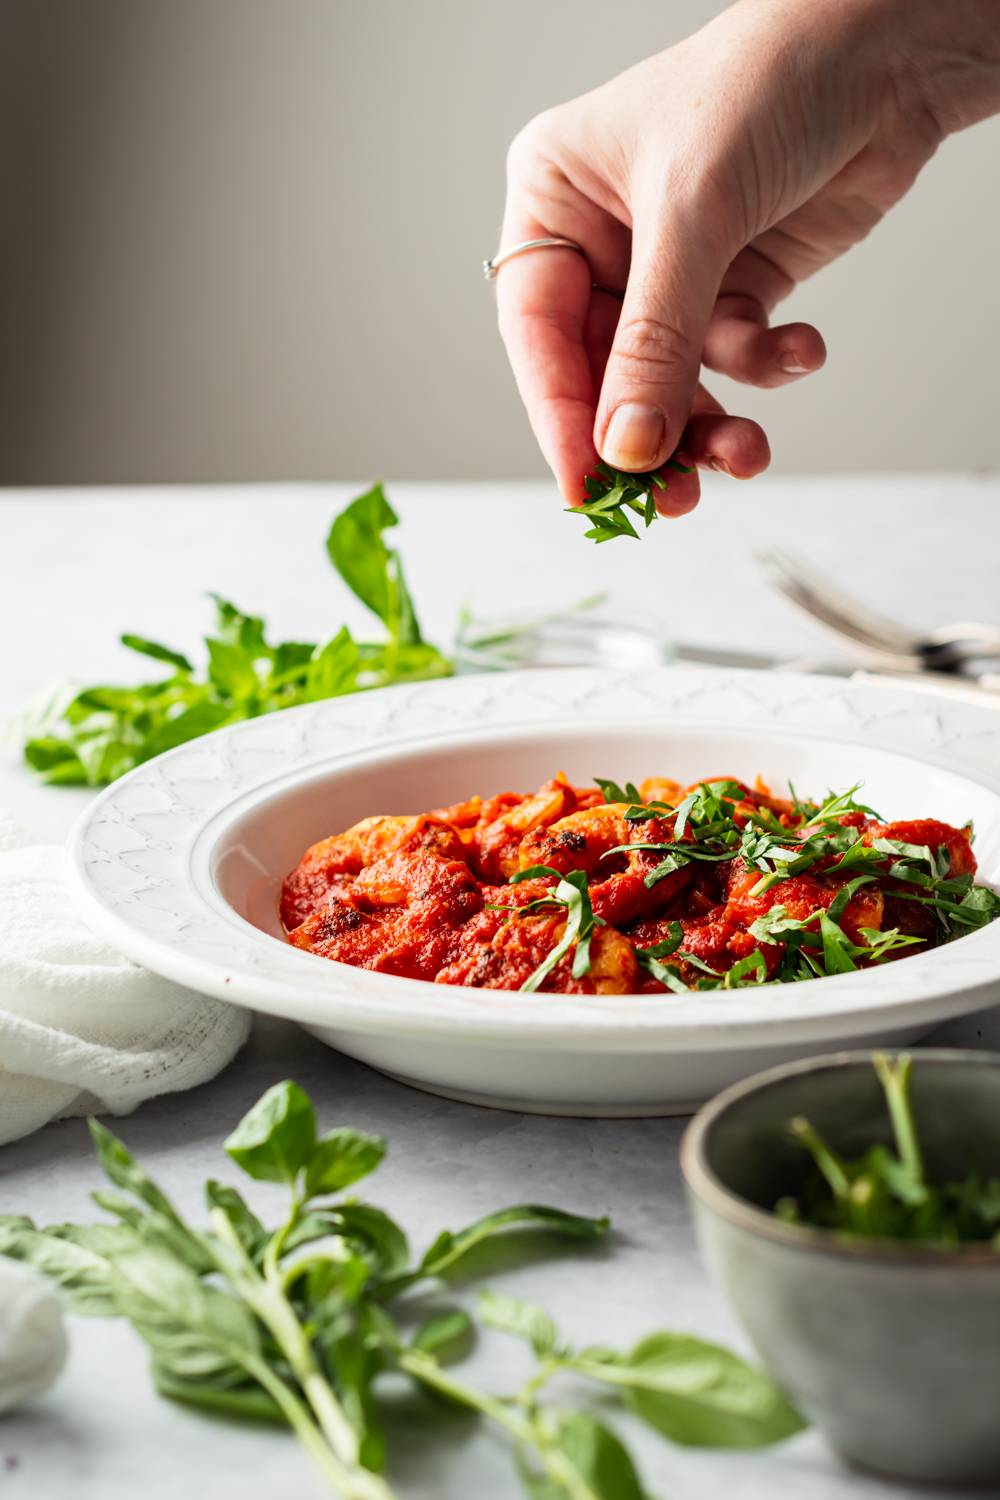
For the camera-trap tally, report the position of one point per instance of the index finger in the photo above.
(542, 301)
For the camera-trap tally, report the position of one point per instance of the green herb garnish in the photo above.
(705, 831)
(96, 734)
(572, 893)
(888, 1196)
(614, 494)
(303, 1324)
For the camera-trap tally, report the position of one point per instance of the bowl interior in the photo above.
(745, 1147)
(251, 847)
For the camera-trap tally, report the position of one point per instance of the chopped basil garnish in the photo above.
(615, 495)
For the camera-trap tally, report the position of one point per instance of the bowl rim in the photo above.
(709, 1190)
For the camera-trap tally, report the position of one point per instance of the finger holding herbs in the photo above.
(617, 502)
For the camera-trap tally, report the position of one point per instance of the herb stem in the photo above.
(266, 1297)
(305, 1429)
(824, 1157)
(521, 1428)
(895, 1081)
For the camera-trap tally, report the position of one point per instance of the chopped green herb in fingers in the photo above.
(615, 496)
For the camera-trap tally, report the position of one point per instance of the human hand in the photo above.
(706, 182)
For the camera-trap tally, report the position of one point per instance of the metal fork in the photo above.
(948, 648)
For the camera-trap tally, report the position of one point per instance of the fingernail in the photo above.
(792, 365)
(634, 439)
(720, 466)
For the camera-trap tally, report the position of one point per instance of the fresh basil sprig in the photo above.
(614, 494)
(94, 735)
(300, 1324)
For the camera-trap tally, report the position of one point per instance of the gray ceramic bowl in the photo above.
(892, 1351)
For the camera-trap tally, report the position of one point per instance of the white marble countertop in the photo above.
(77, 567)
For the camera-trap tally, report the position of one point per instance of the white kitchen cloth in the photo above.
(32, 1334)
(83, 1029)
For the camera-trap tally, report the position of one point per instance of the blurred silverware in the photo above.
(885, 642)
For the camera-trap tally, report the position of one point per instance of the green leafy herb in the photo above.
(886, 1194)
(612, 792)
(98, 733)
(571, 892)
(614, 496)
(716, 824)
(299, 1324)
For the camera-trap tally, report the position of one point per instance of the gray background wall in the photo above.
(240, 239)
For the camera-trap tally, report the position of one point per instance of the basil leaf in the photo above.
(449, 1249)
(248, 1402)
(374, 1233)
(523, 1319)
(613, 492)
(103, 731)
(333, 668)
(573, 893)
(695, 1392)
(86, 1276)
(837, 947)
(276, 1138)
(662, 972)
(231, 669)
(340, 1158)
(535, 872)
(752, 964)
(156, 651)
(448, 1336)
(201, 718)
(666, 945)
(245, 632)
(164, 1222)
(249, 1230)
(371, 571)
(599, 1464)
(611, 791)
(195, 1331)
(838, 905)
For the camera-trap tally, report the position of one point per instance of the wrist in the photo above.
(950, 55)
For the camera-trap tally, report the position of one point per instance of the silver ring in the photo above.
(492, 266)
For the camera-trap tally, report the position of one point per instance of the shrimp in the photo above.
(591, 841)
(661, 789)
(495, 844)
(399, 916)
(519, 945)
(932, 834)
(335, 861)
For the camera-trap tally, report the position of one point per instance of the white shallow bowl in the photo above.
(181, 862)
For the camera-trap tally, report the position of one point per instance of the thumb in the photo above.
(652, 371)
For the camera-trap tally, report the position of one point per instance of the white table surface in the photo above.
(77, 567)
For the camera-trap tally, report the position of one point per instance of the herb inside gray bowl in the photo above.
(887, 1195)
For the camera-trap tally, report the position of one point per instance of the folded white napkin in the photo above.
(83, 1029)
(32, 1334)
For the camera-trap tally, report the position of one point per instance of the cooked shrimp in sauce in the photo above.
(587, 891)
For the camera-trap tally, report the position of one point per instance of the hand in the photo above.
(705, 183)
